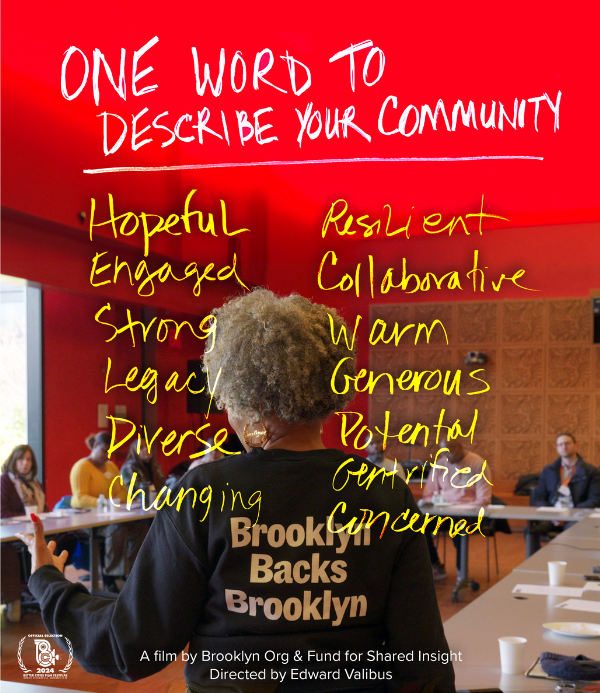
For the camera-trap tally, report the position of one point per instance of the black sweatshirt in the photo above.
(252, 586)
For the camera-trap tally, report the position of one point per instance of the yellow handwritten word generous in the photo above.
(368, 520)
(368, 228)
(208, 326)
(146, 278)
(378, 332)
(364, 434)
(408, 380)
(115, 443)
(158, 223)
(409, 283)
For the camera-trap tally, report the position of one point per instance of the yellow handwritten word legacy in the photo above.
(130, 222)
(409, 283)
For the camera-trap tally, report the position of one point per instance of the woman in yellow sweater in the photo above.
(91, 477)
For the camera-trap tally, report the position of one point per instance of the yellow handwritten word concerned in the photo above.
(407, 282)
(154, 223)
(408, 434)
(369, 518)
(208, 326)
(146, 278)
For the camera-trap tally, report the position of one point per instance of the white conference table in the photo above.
(475, 630)
(59, 522)
(499, 512)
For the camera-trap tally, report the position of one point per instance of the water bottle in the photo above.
(102, 504)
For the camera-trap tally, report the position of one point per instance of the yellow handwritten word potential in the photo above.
(408, 434)
(368, 228)
(130, 222)
(146, 277)
(208, 326)
(409, 283)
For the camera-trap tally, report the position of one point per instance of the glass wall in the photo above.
(13, 364)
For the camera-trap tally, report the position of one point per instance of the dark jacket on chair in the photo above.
(584, 485)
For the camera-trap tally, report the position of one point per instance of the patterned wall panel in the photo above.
(542, 367)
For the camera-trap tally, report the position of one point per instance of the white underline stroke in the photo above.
(189, 167)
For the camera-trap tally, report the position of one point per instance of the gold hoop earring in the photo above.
(321, 431)
(248, 435)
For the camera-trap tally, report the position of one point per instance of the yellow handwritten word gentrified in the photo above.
(130, 222)
(408, 282)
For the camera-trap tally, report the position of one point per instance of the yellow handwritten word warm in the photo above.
(154, 223)
(408, 282)
(146, 277)
(408, 434)
(208, 326)
(378, 332)
(408, 380)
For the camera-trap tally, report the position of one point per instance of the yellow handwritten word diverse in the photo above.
(408, 434)
(208, 326)
(146, 277)
(368, 228)
(408, 380)
(154, 223)
(115, 443)
(378, 332)
(368, 519)
(149, 383)
(409, 283)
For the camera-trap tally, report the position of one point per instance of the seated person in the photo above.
(440, 483)
(19, 485)
(91, 478)
(144, 465)
(375, 454)
(568, 482)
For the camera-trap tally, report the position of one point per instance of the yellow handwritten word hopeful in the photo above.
(130, 222)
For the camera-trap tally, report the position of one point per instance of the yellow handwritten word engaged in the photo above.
(208, 325)
(409, 283)
(146, 278)
(153, 223)
(431, 223)
(364, 435)
(454, 530)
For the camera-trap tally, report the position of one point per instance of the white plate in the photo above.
(575, 629)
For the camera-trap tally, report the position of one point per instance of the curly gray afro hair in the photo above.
(277, 357)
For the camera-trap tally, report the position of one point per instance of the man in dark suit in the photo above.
(568, 482)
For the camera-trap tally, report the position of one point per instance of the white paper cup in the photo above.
(31, 509)
(556, 572)
(512, 654)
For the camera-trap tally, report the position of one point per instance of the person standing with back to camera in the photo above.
(266, 577)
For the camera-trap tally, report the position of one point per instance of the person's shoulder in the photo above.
(472, 459)
(589, 468)
(552, 466)
(81, 465)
